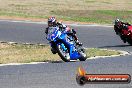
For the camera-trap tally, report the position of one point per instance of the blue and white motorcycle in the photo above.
(65, 45)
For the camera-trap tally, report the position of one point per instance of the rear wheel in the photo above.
(83, 55)
(63, 52)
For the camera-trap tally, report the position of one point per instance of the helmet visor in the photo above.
(50, 23)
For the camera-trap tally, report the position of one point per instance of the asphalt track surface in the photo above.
(61, 74)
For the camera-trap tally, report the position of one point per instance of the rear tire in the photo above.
(83, 55)
(83, 58)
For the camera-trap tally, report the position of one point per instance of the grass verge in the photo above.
(20, 53)
(87, 16)
(89, 11)
(94, 16)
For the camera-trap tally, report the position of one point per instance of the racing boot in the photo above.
(76, 40)
(78, 43)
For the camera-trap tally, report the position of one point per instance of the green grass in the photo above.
(92, 52)
(19, 53)
(20, 14)
(91, 11)
(95, 16)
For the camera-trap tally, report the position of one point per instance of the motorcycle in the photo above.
(125, 33)
(65, 45)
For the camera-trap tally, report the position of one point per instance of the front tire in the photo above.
(129, 41)
(123, 38)
(63, 54)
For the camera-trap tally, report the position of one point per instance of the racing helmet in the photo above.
(51, 21)
(117, 21)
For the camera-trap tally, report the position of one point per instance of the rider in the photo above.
(52, 22)
(119, 25)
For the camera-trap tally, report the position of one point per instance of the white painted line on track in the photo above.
(26, 21)
(124, 53)
(42, 22)
(32, 63)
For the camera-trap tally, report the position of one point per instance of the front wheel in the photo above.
(123, 38)
(63, 52)
(129, 41)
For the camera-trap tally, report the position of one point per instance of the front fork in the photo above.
(64, 47)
